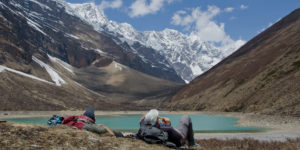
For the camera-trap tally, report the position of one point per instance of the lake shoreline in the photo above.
(279, 127)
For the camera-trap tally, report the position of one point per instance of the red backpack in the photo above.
(77, 121)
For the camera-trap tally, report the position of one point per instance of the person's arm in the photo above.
(142, 119)
(167, 121)
(107, 129)
(175, 133)
(182, 136)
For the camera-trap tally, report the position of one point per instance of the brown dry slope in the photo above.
(262, 76)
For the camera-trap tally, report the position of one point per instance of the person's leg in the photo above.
(185, 126)
(94, 128)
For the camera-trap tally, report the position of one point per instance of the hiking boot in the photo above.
(118, 134)
(194, 145)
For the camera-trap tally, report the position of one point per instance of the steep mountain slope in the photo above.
(48, 57)
(262, 76)
(164, 49)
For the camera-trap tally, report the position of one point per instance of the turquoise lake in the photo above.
(201, 123)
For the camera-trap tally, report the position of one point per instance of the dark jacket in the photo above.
(173, 135)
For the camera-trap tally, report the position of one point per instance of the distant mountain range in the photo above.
(263, 76)
(171, 49)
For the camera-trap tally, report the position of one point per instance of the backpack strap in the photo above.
(152, 134)
(81, 119)
(68, 119)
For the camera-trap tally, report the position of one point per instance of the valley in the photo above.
(58, 57)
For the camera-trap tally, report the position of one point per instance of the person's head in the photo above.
(151, 117)
(89, 112)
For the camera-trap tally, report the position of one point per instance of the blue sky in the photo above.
(209, 19)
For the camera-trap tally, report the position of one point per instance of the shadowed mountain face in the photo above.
(262, 76)
(52, 60)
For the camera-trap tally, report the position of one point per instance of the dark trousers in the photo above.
(185, 126)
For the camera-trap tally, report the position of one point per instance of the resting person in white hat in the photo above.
(179, 135)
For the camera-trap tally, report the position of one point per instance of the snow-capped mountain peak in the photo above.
(189, 56)
(90, 12)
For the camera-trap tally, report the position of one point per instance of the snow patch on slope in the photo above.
(62, 63)
(16, 4)
(118, 66)
(51, 71)
(35, 25)
(2, 5)
(33, 15)
(99, 51)
(41, 5)
(72, 36)
(3, 68)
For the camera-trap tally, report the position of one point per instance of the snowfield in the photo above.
(65, 65)
(51, 71)
(3, 68)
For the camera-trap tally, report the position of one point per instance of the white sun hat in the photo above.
(151, 117)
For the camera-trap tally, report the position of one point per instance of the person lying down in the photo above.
(86, 121)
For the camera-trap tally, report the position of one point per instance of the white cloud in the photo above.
(142, 7)
(243, 6)
(229, 9)
(229, 46)
(110, 4)
(200, 23)
(202, 27)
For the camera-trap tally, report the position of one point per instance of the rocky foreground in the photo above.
(19, 136)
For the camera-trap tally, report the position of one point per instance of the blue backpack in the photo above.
(55, 120)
